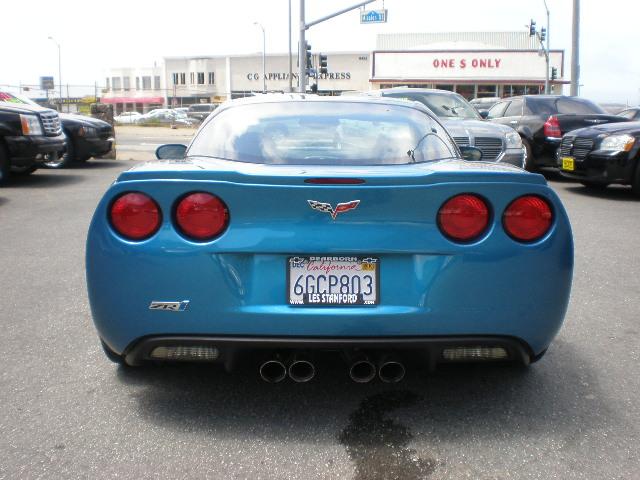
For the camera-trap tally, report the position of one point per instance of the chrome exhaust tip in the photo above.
(362, 371)
(391, 370)
(273, 371)
(301, 369)
(361, 368)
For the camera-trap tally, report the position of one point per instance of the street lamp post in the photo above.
(59, 69)
(264, 53)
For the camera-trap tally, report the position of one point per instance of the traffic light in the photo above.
(309, 62)
(323, 64)
(543, 34)
(532, 28)
(554, 73)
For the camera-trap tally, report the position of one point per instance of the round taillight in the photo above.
(463, 218)
(135, 216)
(527, 218)
(201, 216)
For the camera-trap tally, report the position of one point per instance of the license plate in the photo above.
(568, 164)
(333, 281)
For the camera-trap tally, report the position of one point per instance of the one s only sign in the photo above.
(470, 64)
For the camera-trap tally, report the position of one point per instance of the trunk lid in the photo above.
(570, 122)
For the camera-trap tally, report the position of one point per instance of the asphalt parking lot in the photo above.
(69, 413)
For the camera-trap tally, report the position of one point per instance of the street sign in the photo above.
(373, 16)
(46, 83)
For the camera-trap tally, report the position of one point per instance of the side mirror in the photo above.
(170, 151)
(484, 113)
(472, 154)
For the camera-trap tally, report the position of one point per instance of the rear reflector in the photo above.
(335, 181)
(135, 216)
(202, 216)
(464, 217)
(527, 218)
(474, 353)
(187, 353)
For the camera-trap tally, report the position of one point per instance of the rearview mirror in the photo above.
(170, 151)
(472, 154)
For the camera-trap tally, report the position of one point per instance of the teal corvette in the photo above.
(294, 225)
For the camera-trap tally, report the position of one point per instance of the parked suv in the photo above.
(498, 143)
(542, 120)
(200, 111)
(30, 135)
(86, 137)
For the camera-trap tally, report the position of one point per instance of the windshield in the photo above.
(12, 98)
(323, 133)
(561, 105)
(445, 105)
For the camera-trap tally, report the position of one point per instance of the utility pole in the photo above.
(264, 53)
(59, 70)
(290, 56)
(547, 88)
(575, 49)
(302, 44)
(302, 52)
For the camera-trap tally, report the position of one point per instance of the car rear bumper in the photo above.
(614, 168)
(435, 350)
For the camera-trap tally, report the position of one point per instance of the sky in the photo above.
(97, 35)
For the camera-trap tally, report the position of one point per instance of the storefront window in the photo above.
(445, 87)
(467, 91)
(517, 90)
(487, 91)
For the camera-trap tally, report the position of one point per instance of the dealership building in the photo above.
(474, 64)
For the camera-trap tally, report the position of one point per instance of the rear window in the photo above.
(323, 133)
(561, 105)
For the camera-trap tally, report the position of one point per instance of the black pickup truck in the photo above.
(29, 136)
(542, 120)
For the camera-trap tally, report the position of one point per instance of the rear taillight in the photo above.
(135, 216)
(527, 218)
(463, 218)
(201, 216)
(552, 127)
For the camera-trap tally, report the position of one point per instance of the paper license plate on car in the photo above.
(333, 280)
(567, 163)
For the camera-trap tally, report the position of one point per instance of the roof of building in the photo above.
(456, 41)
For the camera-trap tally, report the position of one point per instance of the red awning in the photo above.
(132, 100)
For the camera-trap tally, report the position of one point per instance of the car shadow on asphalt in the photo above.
(376, 422)
(95, 164)
(616, 192)
(3, 200)
(43, 179)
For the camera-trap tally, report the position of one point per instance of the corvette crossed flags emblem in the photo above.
(340, 208)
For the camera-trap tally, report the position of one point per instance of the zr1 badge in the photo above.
(169, 306)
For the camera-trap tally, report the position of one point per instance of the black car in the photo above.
(30, 135)
(632, 113)
(602, 155)
(86, 137)
(541, 120)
